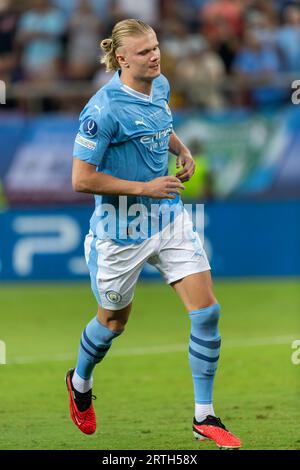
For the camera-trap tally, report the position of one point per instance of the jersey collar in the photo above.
(132, 92)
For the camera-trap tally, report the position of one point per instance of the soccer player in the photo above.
(121, 150)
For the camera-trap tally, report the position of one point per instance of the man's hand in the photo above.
(185, 160)
(163, 187)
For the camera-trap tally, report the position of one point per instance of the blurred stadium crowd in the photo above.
(216, 53)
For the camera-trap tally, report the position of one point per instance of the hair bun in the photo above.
(106, 45)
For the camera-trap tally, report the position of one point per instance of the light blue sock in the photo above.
(95, 341)
(204, 350)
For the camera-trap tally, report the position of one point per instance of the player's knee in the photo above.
(114, 320)
(116, 325)
(207, 318)
(213, 314)
(206, 301)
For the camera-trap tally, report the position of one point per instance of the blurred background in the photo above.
(231, 65)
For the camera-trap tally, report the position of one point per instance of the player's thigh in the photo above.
(183, 263)
(195, 290)
(114, 271)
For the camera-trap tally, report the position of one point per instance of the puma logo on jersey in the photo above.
(98, 109)
(140, 123)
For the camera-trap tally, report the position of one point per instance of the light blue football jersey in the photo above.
(126, 134)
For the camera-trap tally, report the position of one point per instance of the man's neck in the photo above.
(141, 86)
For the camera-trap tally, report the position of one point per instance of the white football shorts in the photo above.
(176, 252)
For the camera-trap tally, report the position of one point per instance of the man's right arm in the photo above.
(86, 179)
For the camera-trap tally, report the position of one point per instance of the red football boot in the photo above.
(81, 407)
(212, 428)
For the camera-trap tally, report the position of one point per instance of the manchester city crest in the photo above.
(113, 296)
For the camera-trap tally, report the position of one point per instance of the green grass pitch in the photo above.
(144, 386)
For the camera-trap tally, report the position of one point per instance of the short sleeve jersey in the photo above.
(125, 133)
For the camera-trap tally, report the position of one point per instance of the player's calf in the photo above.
(204, 351)
(95, 342)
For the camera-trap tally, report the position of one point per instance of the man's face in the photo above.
(140, 56)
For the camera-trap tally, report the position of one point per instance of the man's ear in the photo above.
(122, 60)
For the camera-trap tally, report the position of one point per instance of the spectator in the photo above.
(288, 38)
(67, 6)
(230, 11)
(39, 34)
(264, 25)
(84, 31)
(257, 65)
(8, 23)
(189, 10)
(99, 7)
(201, 186)
(199, 74)
(226, 43)
(177, 41)
(177, 44)
(186, 12)
(145, 10)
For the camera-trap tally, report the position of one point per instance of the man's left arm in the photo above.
(184, 158)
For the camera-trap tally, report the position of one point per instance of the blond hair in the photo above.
(121, 30)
